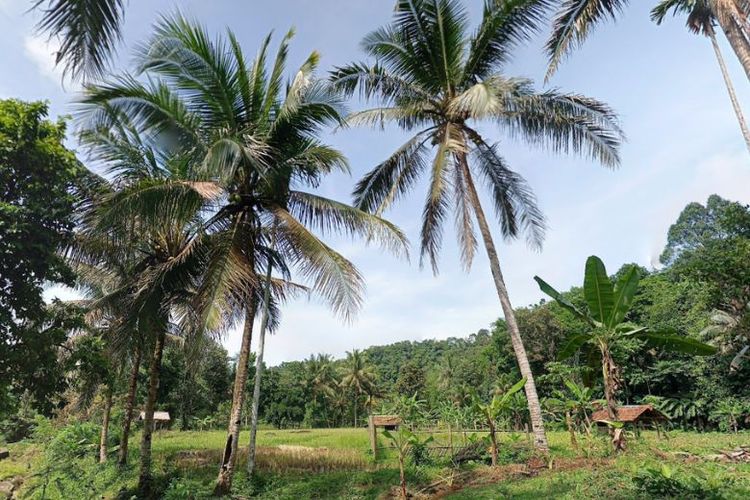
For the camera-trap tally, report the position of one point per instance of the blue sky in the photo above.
(683, 144)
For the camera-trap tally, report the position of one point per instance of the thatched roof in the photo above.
(159, 416)
(630, 413)
(386, 420)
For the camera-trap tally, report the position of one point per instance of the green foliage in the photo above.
(666, 482)
(186, 489)
(41, 184)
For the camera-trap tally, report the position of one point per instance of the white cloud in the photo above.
(42, 53)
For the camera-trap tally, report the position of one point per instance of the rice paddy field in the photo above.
(337, 463)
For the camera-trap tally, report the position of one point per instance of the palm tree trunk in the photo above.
(730, 20)
(535, 409)
(105, 425)
(129, 405)
(259, 372)
(229, 458)
(355, 412)
(144, 478)
(730, 88)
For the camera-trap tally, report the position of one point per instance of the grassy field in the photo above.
(337, 463)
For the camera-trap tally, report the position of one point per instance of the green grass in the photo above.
(336, 463)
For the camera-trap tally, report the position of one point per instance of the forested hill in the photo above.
(701, 292)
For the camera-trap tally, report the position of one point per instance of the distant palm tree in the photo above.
(358, 376)
(434, 78)
(575, 19)
(88, 31)
(728, 329)
(701, 19)
(321, 379)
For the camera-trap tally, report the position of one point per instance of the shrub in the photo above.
(666, 482)
(186, 489)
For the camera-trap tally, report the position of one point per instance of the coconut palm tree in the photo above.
(358, 376)
(88, 31)
(438, 81)
(701, 20)
(154, 214)
(322, 378)
(728, 329)
(101, 268)
(240, 130)
(575, 19)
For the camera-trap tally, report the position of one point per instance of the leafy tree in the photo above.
(711, 244)
(411, 380)
(41, 186)
(435, 79)
(608, 304)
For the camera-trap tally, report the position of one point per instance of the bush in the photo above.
(665, 482)
(186, 489)
(420, 454)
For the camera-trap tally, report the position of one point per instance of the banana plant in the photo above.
(494, 409)
(403, 440)
(575, 405)
(608, 304)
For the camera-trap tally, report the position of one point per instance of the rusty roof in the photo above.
(630, 413)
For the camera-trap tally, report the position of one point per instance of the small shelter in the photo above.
(638, 415)
(387, 422)
(161, 419)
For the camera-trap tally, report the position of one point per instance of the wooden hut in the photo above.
(387, 422)
(161, 419)
(636, 415)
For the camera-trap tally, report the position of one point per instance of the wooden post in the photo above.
(373, 436)
(450, 439)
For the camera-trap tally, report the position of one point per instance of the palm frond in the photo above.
(89, 31)
(384, 184)
(515, 203)
(437, 204)
(467, 240)
(333, 277)
(331, 217)
(565, 123)
(573, 23)
(505, 25)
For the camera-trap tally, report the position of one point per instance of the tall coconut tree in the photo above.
(702, 20)
(575, 19)
(358, 377)
(240, 129)
(154, 213)
(435, 79)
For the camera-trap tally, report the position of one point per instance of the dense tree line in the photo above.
(703, 281)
